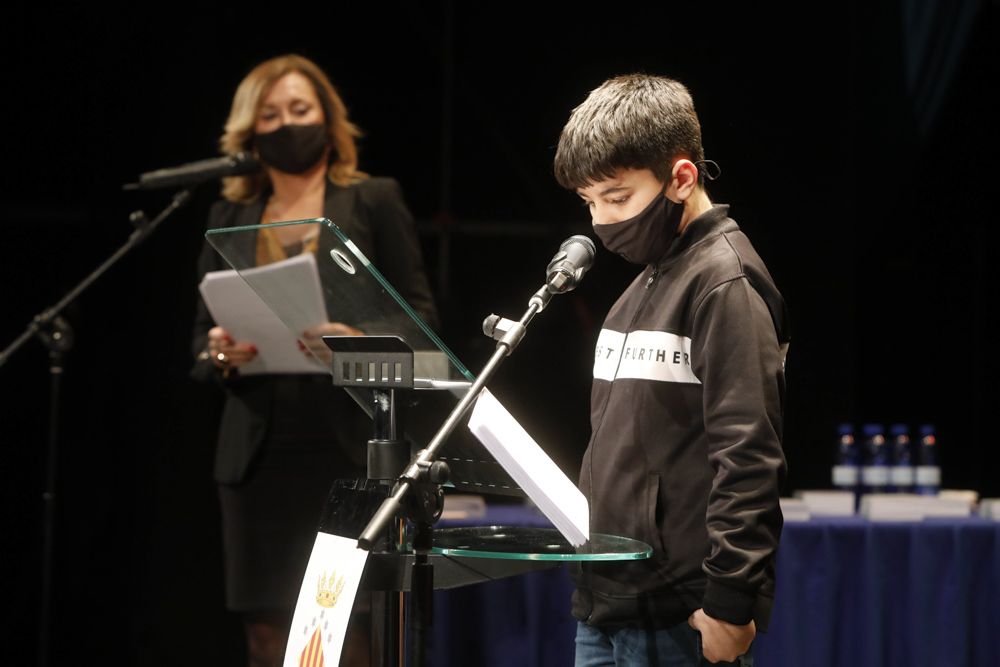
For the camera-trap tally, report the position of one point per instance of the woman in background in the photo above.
(284, 438)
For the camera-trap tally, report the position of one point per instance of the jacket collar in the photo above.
(337, 205)
(710, 223)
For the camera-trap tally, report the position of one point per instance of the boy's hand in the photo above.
(721, 641)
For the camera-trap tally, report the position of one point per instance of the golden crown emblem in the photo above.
(328, 589)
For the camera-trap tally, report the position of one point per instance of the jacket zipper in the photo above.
(650, 281)
(590, 468)
(635, 315)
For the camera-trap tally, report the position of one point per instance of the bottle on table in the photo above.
(902, 473)
(846, 469)
(875, 467)
(928, 472)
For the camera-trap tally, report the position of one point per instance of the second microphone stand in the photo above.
(56, 334)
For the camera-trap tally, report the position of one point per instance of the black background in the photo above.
(876, 229)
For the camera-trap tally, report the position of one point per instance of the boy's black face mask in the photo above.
(644, 238)
(292, 149)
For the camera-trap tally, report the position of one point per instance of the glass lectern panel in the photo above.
(336, 283)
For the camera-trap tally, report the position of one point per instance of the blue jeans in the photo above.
(676, 646)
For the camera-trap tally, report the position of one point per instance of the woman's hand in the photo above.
(227, 354)
(313, 337)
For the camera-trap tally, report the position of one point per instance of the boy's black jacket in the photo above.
(685, 452)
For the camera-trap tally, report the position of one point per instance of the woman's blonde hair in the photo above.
(243, 116)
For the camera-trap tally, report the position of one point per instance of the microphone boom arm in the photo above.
(421, 463)
(143, 228)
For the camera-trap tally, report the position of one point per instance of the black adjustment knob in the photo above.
(439, 472)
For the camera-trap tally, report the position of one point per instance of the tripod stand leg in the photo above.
(49, 510)
(387, 629)
(421, 609)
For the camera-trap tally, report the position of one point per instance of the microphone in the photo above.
(565, 271)
(193, 173)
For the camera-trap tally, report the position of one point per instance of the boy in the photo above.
(686, 407)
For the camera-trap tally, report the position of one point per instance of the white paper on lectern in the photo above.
(531, 468)
(319, 624)
(239, 309)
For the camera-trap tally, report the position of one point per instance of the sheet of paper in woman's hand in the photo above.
(248, 313)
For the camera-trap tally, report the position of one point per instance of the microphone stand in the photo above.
(57, 336)
(424, 472)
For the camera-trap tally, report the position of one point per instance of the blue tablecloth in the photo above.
(854, 592)
(850, 593)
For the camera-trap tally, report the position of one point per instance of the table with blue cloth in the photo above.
(851, 592)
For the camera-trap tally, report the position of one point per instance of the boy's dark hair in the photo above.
(635, 121)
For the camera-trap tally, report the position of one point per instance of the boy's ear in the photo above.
(684, 178)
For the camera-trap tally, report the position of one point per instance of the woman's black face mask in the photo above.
(292, 149)
(646, 237)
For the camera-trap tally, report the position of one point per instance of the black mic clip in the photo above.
(574, 258)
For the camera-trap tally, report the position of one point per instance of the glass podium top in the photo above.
(333, 281)
(527, 543)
